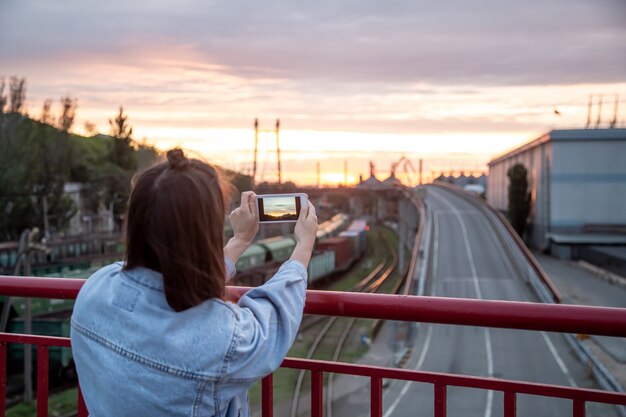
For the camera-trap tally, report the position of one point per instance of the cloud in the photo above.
(353, 74)
(491, 42)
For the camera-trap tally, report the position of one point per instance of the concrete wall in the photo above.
(588, 184)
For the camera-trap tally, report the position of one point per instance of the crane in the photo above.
(406, 165)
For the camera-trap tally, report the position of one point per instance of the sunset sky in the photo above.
(452, 82)
(277, 206)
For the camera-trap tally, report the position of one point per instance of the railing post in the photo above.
(42, 381)
(376, 396)
(579, 408)
(3, 378)
(267, 396)
(317, 394)
(82, 408)
(440, 400)
(510, 404)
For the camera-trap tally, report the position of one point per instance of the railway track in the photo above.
(310, 321)
(371, 283)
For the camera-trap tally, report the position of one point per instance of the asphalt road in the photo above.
(467, 260)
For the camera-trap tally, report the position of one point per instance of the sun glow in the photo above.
(338, 178)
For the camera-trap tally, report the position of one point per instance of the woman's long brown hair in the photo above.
(175, 226)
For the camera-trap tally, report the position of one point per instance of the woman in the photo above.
(154, 336)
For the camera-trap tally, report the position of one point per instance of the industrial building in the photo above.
(577, 184)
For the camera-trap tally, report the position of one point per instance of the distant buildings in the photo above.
(468, 183)
(371, 182)
(84, 221)
(577, 184)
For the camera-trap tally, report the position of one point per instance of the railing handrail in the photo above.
(373, 371)
(608, 321)
(431, 377)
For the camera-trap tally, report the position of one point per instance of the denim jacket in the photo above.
(136, 356)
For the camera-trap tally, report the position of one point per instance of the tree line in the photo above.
(39, 155)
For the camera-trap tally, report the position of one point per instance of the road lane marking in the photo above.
(555, 353)
(468, 250)
(420, 361)
(558, 359)
(407, 384)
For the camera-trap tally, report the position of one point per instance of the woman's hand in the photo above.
(245, 222)
(245, 219)
(305, 233)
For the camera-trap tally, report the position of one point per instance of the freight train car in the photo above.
(322, 264)
(332, 227)
(56, 323)
(254, 256)
(279, 248)
(356, 231)
(355, 241)
(343, 249)
(74, 252)
(333, 253)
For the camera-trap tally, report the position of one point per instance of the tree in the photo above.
(68, 113)
(3, 99)
(17, 94)
(56, 161)
(241, 182)
(122, 153)
(38, 157)
(3, 102)
(90, 128)
(46, 113)
(519, 198)
(124, 165)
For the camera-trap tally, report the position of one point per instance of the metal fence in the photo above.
(500, 314)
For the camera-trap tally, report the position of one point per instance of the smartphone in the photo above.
(279, 208)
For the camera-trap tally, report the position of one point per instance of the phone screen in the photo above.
(279, 208)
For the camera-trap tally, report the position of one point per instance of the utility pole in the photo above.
(589, 106)
(614, 121)
(318, 174)
(256, 148)
(278, 152)
(46, 224)
(599, 112)
(420, 168)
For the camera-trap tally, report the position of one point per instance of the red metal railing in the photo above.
(503, 314)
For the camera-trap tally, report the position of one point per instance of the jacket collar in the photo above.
(146, 277)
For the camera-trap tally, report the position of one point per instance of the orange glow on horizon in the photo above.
(337, 178)
(208, 109)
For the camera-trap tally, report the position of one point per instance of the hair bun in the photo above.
(177, 158)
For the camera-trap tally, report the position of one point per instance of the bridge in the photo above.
(470, 255)
(485, 342)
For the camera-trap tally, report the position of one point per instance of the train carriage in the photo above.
(56, 323)
(321, 265)
(254, 255)
(343, 249)
(354, 238)
(279, 247)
